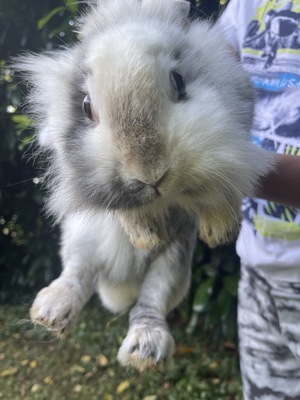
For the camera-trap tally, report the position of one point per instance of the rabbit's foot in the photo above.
(218, 226)
(56, 307)
(146, 347)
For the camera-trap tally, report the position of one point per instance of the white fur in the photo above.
(129, 185)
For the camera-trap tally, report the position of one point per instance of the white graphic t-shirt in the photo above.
(266, 33)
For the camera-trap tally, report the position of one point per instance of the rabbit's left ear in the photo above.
(182, 8)
(168, 9)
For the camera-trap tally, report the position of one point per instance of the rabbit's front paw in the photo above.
(144, 232)
(218, 227)
(146, 347)
(56, 307)
(145, 240)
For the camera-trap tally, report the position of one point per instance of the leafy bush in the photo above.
(28, 259)
(214, 290)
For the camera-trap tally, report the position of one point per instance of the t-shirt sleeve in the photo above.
(228, 24)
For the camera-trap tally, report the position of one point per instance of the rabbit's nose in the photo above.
(159, 180)
(155, 184)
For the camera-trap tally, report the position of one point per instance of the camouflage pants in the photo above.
(269, 332)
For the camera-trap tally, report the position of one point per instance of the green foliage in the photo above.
(207, 8)
(214, 290)
(28, 242)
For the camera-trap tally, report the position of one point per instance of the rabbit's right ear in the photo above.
(104, 13)
(183, 8)
(168, 9)
(179, 9)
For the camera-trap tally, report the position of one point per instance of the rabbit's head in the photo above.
(146, 113)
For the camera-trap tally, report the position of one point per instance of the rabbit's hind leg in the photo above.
(148, 343)
(147, 346)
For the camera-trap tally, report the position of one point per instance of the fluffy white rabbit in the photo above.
(146, 121)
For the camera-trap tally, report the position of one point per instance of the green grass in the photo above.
(34, 365)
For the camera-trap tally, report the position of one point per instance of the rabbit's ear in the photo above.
(50, 80)
(165, 8)
(106, 12)
(183, 8)
(168, 9)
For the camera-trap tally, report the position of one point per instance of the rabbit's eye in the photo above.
(178, 83)
(87, 107)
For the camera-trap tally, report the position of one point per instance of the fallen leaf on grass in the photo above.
(86, 359)
(230, 346)
(48, 380)
(102, 360)
(3, 345)
(22, 390)
(152, 397)
(123, 386)
(33, 364)
(78, 388)
(35, 388)
(9, 372)
(77, 368)
(16, 335)
(213, 365)
(182, 350)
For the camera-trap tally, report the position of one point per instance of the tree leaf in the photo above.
(72, 6)
(203, 294)
(44, 21)
(230, 283)
(224, 301)
(22, 120)
(123, 386)
(8, 372)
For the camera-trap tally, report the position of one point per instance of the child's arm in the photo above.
(282, 185)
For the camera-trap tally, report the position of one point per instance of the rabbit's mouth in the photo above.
(117, 194)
